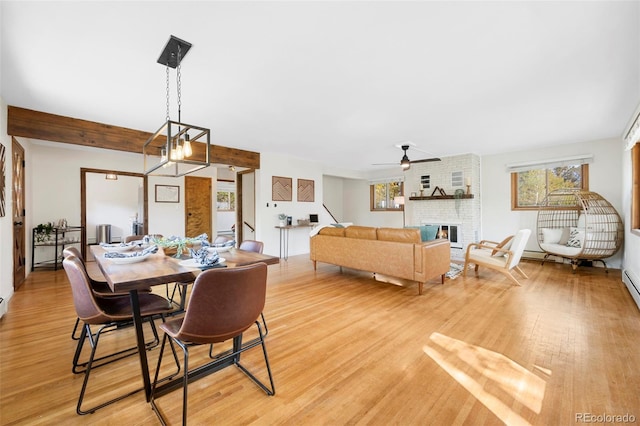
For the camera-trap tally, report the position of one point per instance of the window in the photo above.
(383, 194)
(528, 188)
(226, 200)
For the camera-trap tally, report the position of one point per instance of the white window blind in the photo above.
(550, 163)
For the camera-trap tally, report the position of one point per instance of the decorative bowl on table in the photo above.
(195, 263)
(219, 249)
(130, 259)
(116, 248)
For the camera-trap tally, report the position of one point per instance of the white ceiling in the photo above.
(340, 83)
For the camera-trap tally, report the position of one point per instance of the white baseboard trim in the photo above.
(633, 285)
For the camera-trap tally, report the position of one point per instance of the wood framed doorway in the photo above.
(18, 211)
(83, 200)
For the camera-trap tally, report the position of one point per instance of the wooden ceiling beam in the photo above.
(32, 124)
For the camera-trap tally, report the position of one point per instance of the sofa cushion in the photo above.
(330, 230)
(362, 232)
(401, 235)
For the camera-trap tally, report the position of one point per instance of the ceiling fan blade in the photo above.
(384, 164)
(425, 160)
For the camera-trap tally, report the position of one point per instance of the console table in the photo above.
(284, 238)
(58, 239)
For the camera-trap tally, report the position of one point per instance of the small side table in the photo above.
(284, 238)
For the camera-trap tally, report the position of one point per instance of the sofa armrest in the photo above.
(432, 259)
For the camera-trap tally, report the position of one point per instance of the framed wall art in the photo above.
(167, 194)
(306, 190)
(281, 188)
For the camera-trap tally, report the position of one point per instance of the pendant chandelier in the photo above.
(176, 149)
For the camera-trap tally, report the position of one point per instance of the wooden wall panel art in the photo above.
(281, 188)
(306, 190)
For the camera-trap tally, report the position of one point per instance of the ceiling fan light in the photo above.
(405, 163)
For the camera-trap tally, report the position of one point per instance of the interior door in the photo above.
(197, 206)
(17, 194)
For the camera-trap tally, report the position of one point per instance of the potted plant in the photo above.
(43, 232)
(283, 219)
(177, 246)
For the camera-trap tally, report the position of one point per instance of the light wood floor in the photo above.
(346, 349)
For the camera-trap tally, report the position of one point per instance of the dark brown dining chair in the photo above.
(257, 247)
(99, 288)
(252, 245)
(107, 314)
(224, 304)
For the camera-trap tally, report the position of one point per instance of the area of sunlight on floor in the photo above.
(480, 370)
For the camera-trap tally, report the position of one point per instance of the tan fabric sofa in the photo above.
(396, 252)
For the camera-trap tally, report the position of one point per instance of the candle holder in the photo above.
(468, 189)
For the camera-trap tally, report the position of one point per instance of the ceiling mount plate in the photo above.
(169, 56)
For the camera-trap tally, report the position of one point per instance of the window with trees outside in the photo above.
(383, 195)
(530, 187)
(226, 200)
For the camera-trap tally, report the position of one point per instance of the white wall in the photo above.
(6, 222)
(267, 210)
(112, 202)
(332, 196)
(631, 259)
(498, 220)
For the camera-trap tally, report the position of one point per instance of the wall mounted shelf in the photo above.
(441, 197)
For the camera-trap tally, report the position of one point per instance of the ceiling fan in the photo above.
(405, 163)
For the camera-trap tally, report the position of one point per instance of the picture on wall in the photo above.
(425, 181)
(167, 194)
(306, 190)
(281, 188)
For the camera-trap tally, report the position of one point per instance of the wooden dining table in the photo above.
(157, 269)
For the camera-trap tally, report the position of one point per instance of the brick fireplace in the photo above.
(458, 219)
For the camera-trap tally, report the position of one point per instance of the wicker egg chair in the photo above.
(579, 226)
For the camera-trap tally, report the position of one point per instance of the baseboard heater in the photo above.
(633, 285)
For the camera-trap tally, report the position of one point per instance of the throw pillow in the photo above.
(551, 235)
(504, 244)
(575, 238)
(429, 232)
(565, 236)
